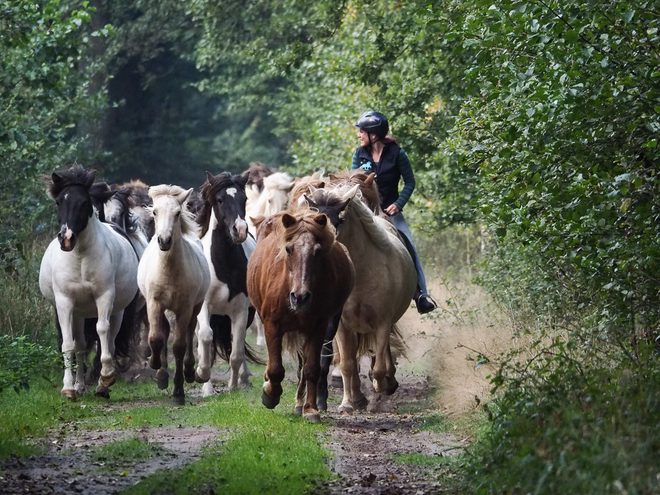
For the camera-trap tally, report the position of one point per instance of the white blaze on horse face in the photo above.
(232, 191)
(66, 234)
(241, 227)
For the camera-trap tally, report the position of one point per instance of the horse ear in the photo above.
(370, 180)
(183, 197)
(350, 194)
(310, 202)
(296, 180)
(332, 176)
(91, 177)
(241, 180)
(209, 177)
(288, 220)
(321, 219)
(321, 185)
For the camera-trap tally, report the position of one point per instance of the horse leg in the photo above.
(179, 350)
(347, 342)
(81, 353)
(189, 360)
(240, 374)
(107, 328)
(261, 337)
(300, 392)
(66, 321)
(272, 388)
(383, 368)
(337, 381)
(326, 359)
(204, 345)
(312, 372)
(158, 333)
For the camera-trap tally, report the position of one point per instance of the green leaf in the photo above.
(628, 15)
(571, 36)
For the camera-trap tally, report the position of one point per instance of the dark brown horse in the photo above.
(298, 278)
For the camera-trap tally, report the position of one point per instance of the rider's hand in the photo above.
(392, 210)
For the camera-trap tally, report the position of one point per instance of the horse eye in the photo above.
(154, 212)
(289, 249)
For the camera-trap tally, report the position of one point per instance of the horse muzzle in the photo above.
(239, 232)
(164, 243)
(300, 302)
(67, 240)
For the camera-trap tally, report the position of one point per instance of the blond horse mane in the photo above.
(188, 224)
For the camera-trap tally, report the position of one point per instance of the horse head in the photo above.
(171, 217)
(306, 238)
(331, 203)
(276, 187)
(70, 190)
(224, 194)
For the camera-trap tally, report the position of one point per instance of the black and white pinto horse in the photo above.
(88, 271)
(226, 312)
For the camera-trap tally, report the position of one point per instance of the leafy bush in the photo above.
(21, 360)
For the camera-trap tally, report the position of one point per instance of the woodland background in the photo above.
(532, 124)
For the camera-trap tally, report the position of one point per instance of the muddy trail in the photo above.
(364, 448)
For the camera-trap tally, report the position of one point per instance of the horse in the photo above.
(226, 312)
(88, 271)
(385, 283)
(139, 202)
(298, 279)
(173, 276)
(265, 197)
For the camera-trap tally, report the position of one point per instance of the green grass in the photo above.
(270, 451)
(421, 459)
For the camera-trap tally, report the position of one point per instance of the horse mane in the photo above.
(278, 180)
(369, 191)
(188, 224)
(305, 222)
(359, 210)
(74, 176)
(131, 221)
(256, 174)
(138, 193)
(208, 191)
(302, 186)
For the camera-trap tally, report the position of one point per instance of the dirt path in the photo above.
(366, 444)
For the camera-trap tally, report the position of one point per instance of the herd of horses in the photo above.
(307, 262)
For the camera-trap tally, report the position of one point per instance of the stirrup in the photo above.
(428, 305)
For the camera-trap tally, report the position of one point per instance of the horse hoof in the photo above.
(199, 379)
(179, 400)
(337, 382)
(313, 418)
(163, 379)
(323, 405)
(102, 391)
(107, 381)
(362, 404)
(346, 409)
(392, 388)
(268, 401)
(297, 410)
(69, 394)
(207, 389)
(189, 376)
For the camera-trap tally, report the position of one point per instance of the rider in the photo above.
(382, 155)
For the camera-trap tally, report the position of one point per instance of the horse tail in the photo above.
(126, 339)
(366, 342)
(397, 344)
(221, 326)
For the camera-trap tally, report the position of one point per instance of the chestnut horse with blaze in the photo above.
(298, 278)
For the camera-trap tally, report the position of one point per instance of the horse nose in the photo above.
(239, 231)
(67, 238)
(164, 243)
(300, 301)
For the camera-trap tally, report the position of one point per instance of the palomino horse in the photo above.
(226, 312)
(385, 282)
(298, 278)
(173, 276)
(89, 271)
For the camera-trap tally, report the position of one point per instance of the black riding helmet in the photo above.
(374, 122)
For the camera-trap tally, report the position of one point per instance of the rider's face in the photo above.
(364, 137)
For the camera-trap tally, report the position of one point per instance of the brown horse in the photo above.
(298, 278)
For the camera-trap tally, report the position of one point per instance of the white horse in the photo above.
(173, 276)
(89, 271)
(272, 199)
